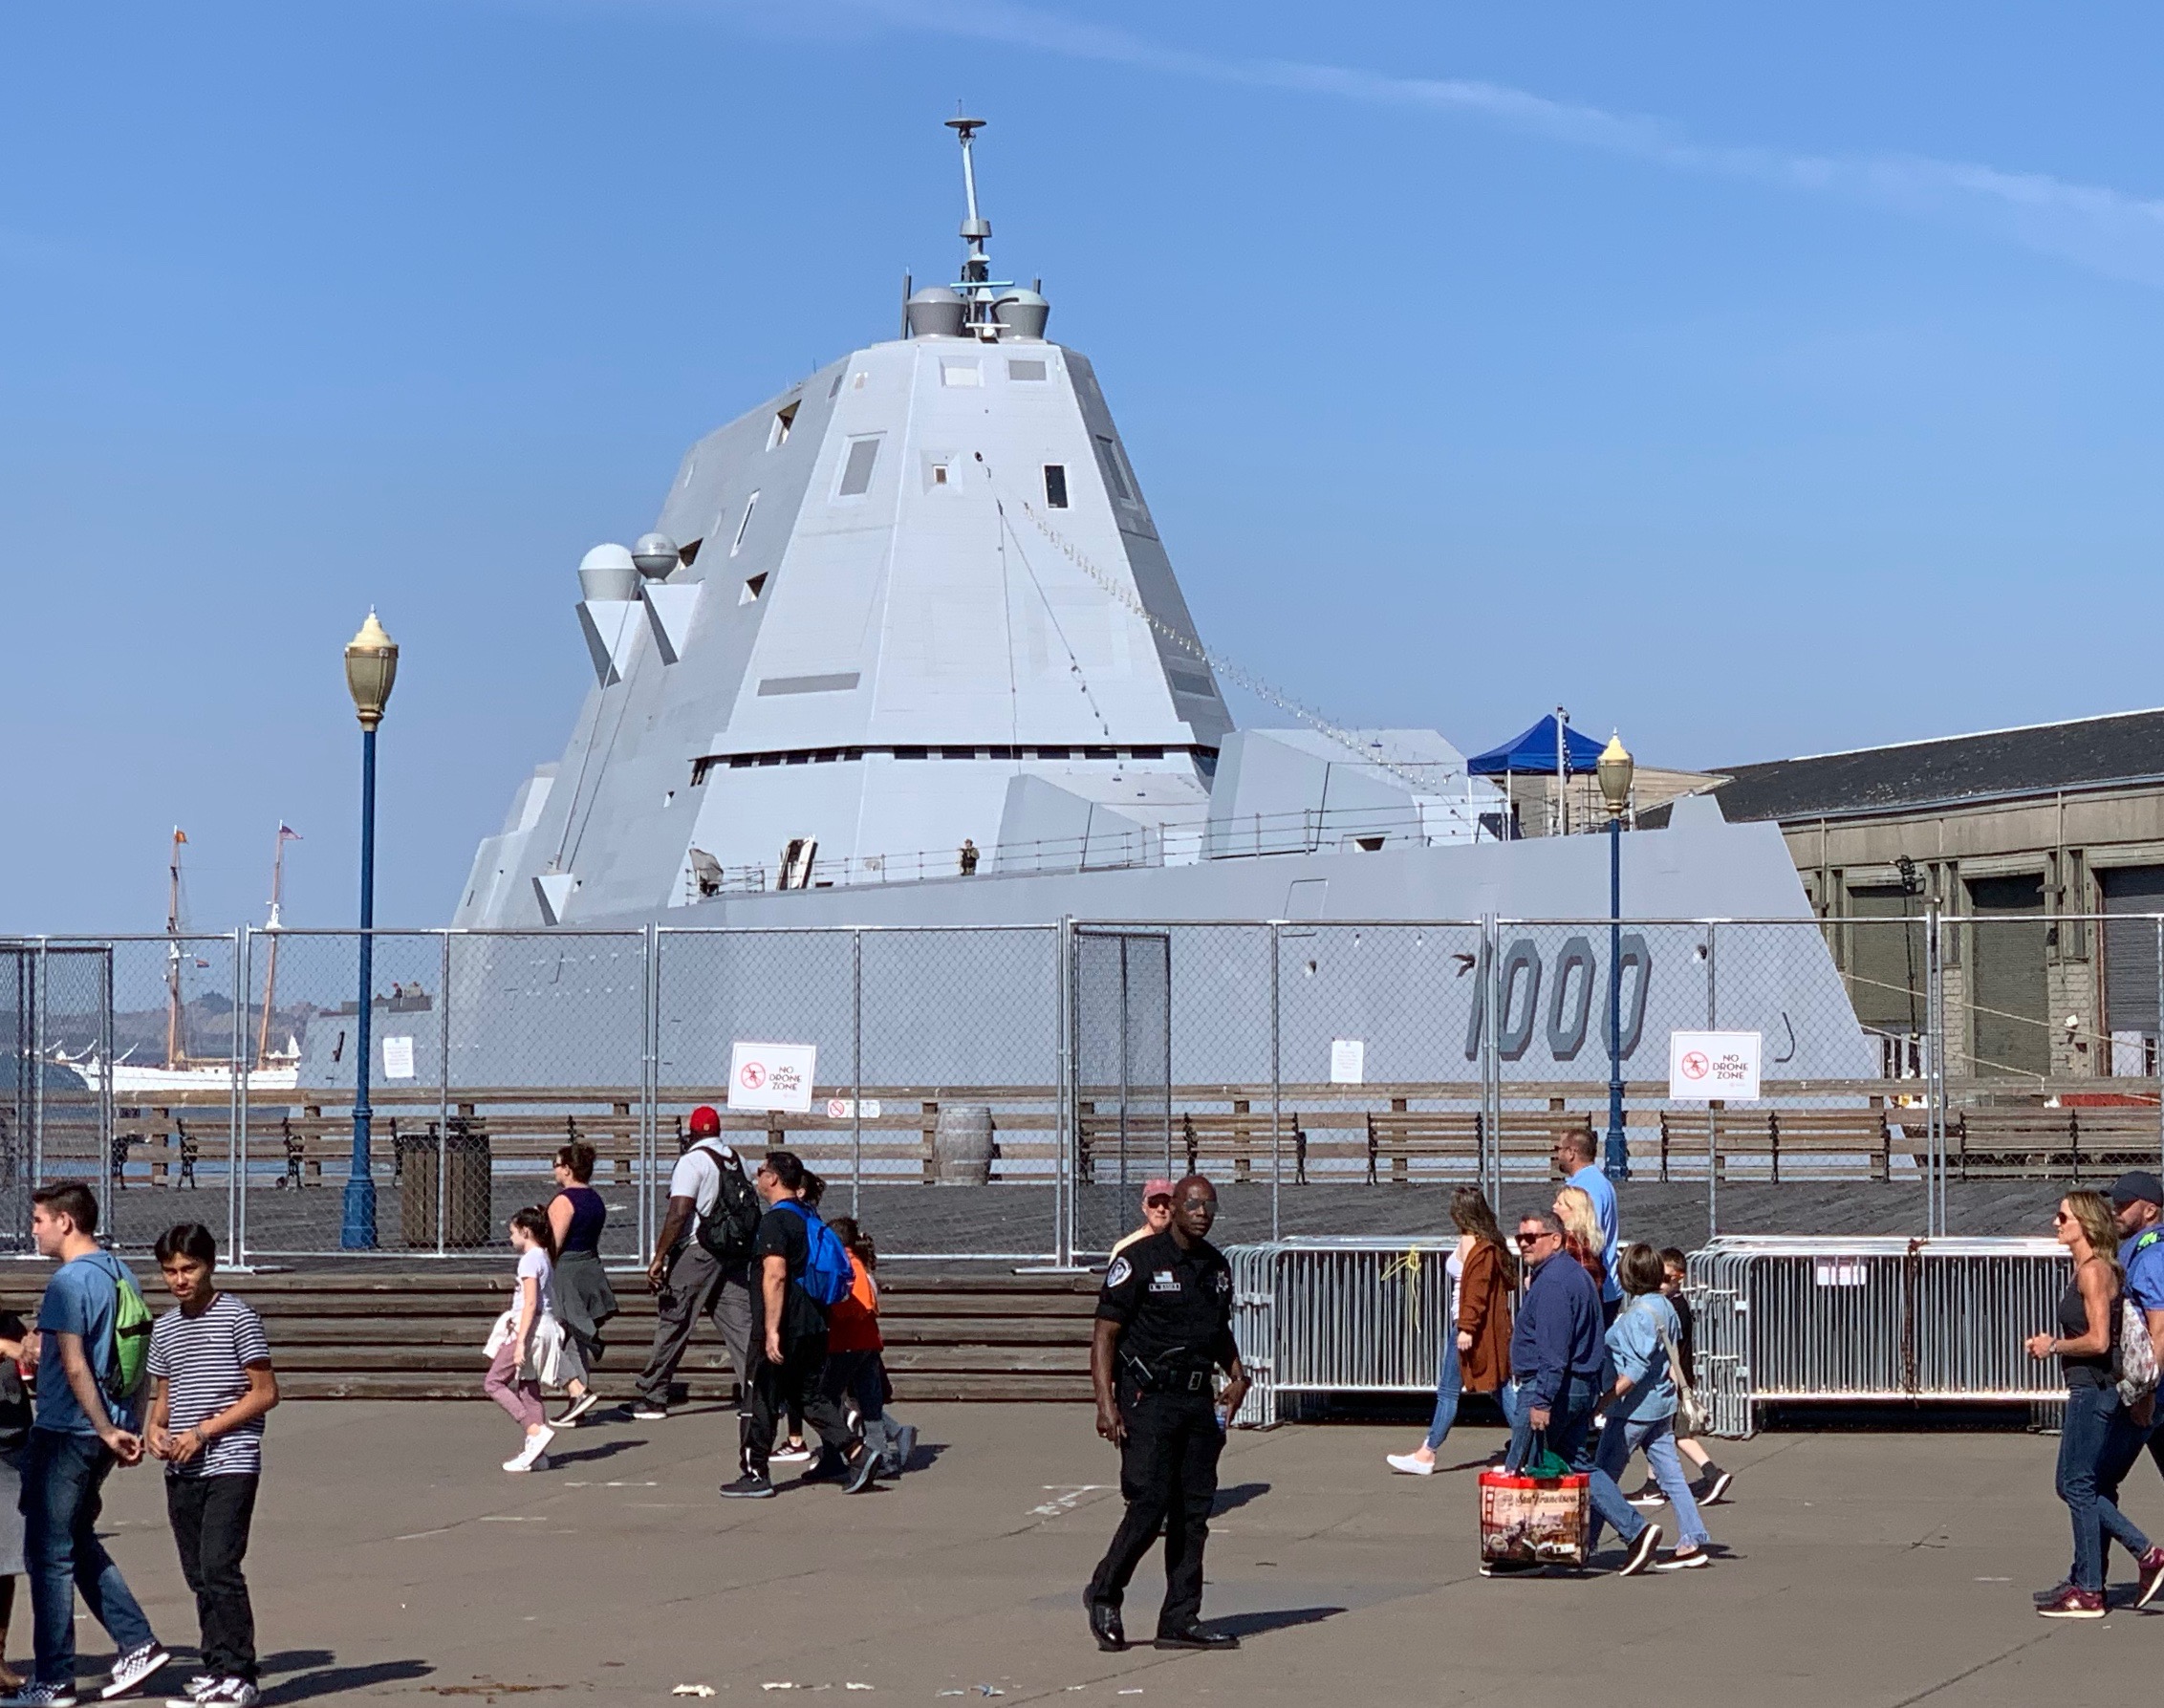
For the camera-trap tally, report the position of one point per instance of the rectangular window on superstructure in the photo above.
(1116, 472)
(961, 373)
(749, 505)
(1055, 485)
(1026, 370)
(785, 419)
(857, 467)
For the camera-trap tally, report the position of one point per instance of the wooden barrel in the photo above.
(962, 1146)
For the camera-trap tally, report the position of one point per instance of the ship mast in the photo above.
(176, 1053)
(271, 971)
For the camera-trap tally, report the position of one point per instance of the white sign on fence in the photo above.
(772, 1075)
(1347, 1061)
(1705, 1066)
(843, 1108)
(397, 1058)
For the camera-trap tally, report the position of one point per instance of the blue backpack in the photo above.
(826, 1274)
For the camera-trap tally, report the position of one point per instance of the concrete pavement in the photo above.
(393, 1561)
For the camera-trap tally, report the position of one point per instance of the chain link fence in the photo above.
(1007, 1091)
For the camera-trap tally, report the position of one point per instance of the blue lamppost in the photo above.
(1615, 774)
(371, 666)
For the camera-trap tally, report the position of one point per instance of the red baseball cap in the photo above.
(1160, 1187)
(705, 1121)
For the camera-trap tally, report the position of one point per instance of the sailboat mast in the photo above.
(175, 1052)
(271, 971)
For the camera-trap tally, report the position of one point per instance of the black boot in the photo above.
(1105, 1626)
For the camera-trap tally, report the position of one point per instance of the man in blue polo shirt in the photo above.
(2137, 1206)
(75, 1440)
(1575, 1153)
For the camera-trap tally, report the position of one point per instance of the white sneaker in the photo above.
(40, 1696)
(1411, 1465)
(534, 1456)
(233, 1692)
(134, 1667)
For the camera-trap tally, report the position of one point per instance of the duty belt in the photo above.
(1177, 1379)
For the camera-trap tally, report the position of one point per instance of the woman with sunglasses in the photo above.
(2097, 1427)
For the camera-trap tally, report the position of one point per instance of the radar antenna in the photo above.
(976, 282)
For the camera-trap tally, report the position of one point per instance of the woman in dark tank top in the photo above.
(585, 1301)
(2098, 1429)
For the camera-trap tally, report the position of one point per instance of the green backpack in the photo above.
(122, 1378)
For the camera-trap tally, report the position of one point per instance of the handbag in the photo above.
(1538, 1516)
(1693, 1418)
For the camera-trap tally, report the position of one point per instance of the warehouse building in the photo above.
(2016, 834)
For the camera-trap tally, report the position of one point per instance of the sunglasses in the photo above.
(1538, 1234)
(2060, 1217)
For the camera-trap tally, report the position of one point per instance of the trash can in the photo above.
(469, 1221)
(962, 1146)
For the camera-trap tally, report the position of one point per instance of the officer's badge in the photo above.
(1118, 1273)
(1223, 1281)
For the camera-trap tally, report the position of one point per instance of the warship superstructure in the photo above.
(905, 648)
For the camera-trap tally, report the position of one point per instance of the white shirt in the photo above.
(698, 1176)
(534, 1262)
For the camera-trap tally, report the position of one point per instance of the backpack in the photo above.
(2133, 1356)
(727, 1234)
(132, 1321)
(826, 1275)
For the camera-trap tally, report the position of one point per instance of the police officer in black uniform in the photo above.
(1164, 1326)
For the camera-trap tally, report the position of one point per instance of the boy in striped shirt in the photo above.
(211, 1384)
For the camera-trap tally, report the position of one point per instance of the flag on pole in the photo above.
(285, 830)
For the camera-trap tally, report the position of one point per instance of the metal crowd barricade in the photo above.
(1319, 1316)
(1786, 1320)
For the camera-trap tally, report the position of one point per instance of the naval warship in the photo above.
(905, 648)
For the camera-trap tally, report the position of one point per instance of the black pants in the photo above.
(1168, 1475)
(792, 1386)
(211, 1518)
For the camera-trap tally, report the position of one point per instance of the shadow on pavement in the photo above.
(331, 1681)
(1250, 1625)
(1231, 1500)
(586, 1456)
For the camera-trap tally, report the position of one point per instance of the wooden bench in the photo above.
(1780, 1137)
(2029, 1141)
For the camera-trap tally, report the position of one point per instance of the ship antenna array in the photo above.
(1221, 664)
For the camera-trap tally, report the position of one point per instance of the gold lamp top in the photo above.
(1615, 774)
(371, 666)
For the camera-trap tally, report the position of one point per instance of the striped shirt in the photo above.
(204, 1360)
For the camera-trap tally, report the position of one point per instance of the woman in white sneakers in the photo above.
(529, 1346)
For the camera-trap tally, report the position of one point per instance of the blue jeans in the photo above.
(1656, 1435)
(2095, 1435)
(63, 1479)
(1448, 1384)
(1569, 1420)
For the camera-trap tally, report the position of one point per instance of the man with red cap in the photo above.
(701, 1263)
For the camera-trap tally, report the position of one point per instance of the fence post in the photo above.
(649, 1082)
(1712, 1120)
(1064, 1170)
(443, 1102)
(1277, 1088)
(236, 1109)
(1935, 1073)
(857, 1071)
(1491, 1063)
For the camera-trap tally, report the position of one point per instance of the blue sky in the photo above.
(1756, 383)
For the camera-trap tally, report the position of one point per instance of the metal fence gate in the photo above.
(1121, 1095)
(56, 1007)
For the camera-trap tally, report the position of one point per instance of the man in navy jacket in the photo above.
(1556, 1348)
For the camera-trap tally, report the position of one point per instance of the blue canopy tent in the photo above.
(1549, 748)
